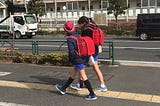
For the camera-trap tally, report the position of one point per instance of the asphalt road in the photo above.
(128, 85)
(20, 86)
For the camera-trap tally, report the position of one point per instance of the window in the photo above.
(145, 21)
(1, 13)
(72, 6)
(148, 3)
(138, 3)
(51, 9)
(144, 3)
(104, 4)
(69, 6)
(58, 9)
(91, 7)
(83, 8)
(158, 2)
(75, 6)
(30, 19)
(152, 2)
(155, 20)
(19, 20)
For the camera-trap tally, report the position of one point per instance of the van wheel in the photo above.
(143, 36)
(17, 35)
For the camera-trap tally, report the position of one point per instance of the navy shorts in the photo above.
(95, 57)
(79, 67)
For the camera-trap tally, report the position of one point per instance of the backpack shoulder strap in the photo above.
(74, 37)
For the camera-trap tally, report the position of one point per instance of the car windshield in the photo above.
(30, 19)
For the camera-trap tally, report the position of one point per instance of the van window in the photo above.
(145, 21)
(155, 20)
(30, 19)
(19, 20)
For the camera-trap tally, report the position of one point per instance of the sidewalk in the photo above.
(124, 82)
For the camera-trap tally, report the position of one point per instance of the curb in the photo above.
(130, 63)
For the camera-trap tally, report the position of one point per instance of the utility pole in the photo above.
(89, 7)
(127, 10)
(25, 4)
(55, 10)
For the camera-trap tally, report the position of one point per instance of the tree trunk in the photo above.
(117, 26)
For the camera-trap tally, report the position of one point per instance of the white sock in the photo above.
(103, 85)
(78, 84)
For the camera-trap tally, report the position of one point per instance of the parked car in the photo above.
(148, 26)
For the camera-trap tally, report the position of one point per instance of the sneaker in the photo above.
(75, 87)
(103, 89)
(91, 97)
(60, 89)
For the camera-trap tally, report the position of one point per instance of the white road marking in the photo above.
(134, 63)
(11, 104)
(138, 63)
(4, 73)
(140, 48)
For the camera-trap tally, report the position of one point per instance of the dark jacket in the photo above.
(74, 58)
(87, 31)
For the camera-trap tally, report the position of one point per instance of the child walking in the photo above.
(86, 25)
(77, 61)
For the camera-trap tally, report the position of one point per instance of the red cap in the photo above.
(69, 26)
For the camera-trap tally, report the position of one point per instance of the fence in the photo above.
(45, 46)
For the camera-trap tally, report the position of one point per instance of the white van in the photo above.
(19, 25)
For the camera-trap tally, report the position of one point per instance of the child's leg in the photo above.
(98, 72)
(86, 82)
(71, 78)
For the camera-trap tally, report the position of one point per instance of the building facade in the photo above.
(2, 9)
(73, 9)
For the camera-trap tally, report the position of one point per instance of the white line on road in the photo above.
(138, 63)
(140, 48)
(11, 104)
(133, 63)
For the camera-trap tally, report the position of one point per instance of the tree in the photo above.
(36, 7)
(117, 7)
(10, 7)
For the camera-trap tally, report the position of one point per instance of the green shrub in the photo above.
(56, 58)
(53, 33)
(121, 32)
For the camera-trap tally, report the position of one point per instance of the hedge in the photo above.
(56, 58)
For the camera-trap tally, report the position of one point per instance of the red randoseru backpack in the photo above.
(97, 36)
(85, 45)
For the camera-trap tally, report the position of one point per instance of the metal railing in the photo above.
(35, 48)
(36, 44)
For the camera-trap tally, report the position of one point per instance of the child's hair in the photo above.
(83, 20)
(91, 20)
